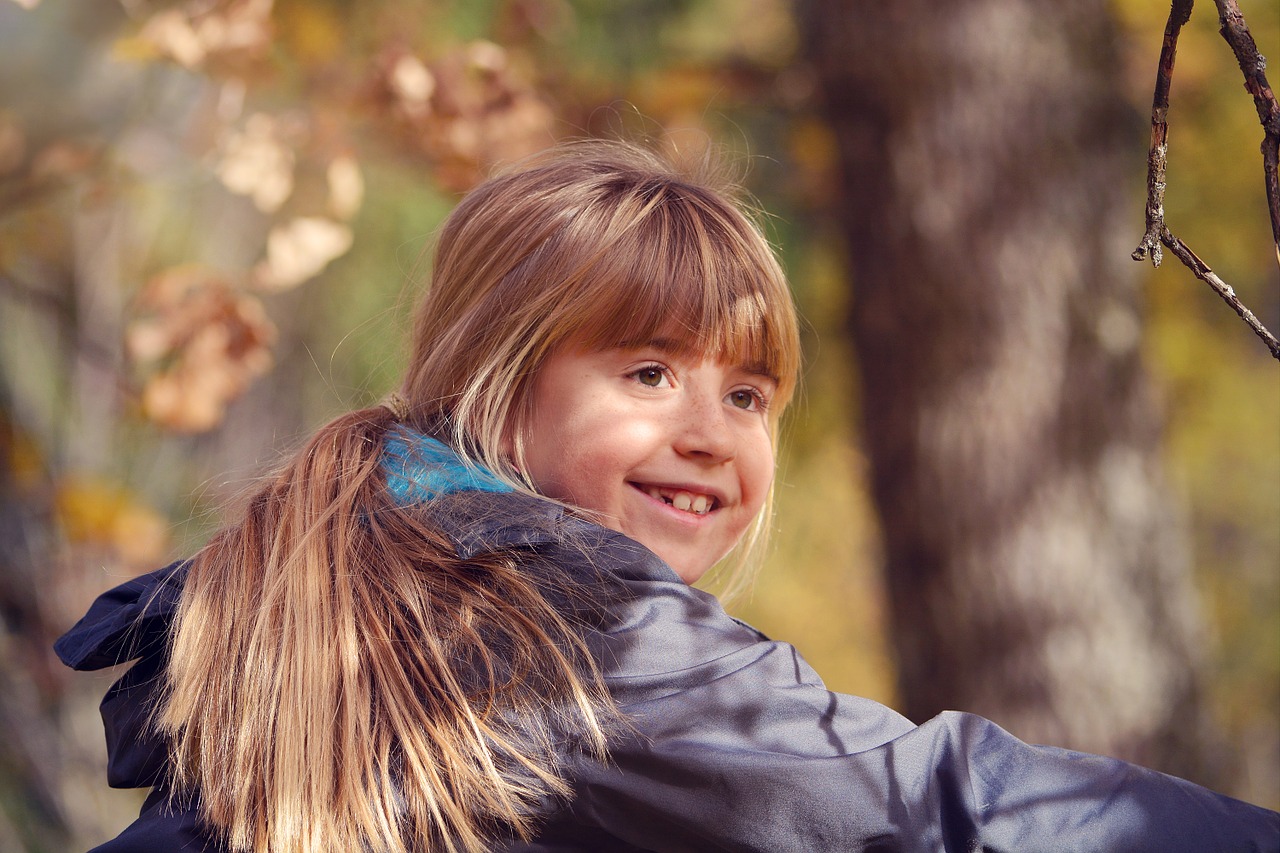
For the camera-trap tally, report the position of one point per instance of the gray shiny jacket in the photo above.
(736, 744)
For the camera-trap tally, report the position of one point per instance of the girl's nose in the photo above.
(704, 432)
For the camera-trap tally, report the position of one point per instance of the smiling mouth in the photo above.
(692, 502)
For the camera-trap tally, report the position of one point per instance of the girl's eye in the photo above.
(747, 399)
(651, 375)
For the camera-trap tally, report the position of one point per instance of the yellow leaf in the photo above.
(140, 535)
(86, 508)
(312, 32)
(93, 510)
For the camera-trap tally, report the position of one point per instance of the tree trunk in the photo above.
(1036, 568)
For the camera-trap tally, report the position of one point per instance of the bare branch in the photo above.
(1179, 14)
(1228, 294)
(1253, 66)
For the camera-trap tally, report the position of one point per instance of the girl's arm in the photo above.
(737, 745)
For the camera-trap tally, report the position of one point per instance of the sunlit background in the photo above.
(212, 219)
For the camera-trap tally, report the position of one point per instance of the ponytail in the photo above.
(341, 680)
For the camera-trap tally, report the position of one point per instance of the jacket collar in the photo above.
(419, 468)
(475, 509)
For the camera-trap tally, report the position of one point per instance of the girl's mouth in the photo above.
(685, 501)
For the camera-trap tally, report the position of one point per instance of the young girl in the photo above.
(461, 620)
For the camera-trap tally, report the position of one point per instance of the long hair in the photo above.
(340, 678)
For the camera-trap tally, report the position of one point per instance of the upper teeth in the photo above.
(682, 500)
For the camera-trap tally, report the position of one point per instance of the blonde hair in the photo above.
(340, 679)
(594, 244)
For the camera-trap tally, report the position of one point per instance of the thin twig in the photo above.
(1179, 14)
(1252, 65)
(1226, 291)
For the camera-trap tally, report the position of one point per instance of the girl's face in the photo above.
(673, 451)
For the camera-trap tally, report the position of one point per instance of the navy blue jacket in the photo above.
(736, 744)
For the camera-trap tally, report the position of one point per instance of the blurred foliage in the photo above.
(212, 223)
(1222, 387)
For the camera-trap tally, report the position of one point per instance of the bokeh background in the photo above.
(1027, 476)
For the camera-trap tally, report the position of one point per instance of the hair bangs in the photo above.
(695, 276)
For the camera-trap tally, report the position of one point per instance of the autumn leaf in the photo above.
(94, 511)
(413, 84)
(468, 110)
(171, 34)
(257, 162)
(201, 341)
(193, 33)
(299, 250)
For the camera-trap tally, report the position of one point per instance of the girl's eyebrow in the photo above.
(670, 346)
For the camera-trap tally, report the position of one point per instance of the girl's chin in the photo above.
(689, 569)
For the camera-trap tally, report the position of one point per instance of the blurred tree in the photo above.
(1035, 565)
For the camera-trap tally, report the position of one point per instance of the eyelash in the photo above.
(650, 368)
(761, 401)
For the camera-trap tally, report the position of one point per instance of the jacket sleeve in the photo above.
(736, 745)
(163, 826)
(131, 623)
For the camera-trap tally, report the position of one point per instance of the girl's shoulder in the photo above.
(125, 622)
